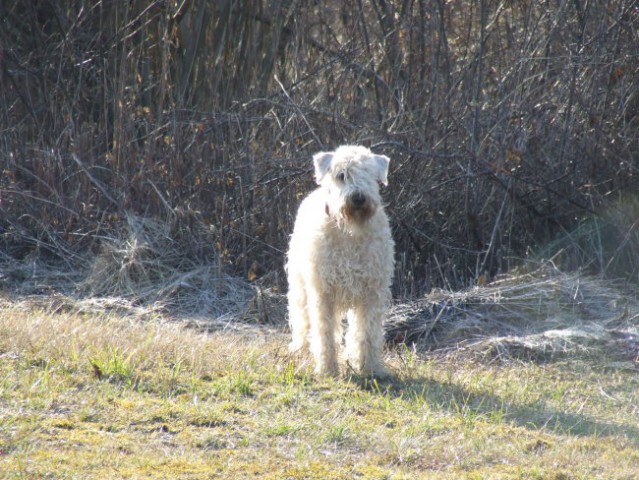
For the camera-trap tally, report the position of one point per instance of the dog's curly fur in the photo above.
(340, 263)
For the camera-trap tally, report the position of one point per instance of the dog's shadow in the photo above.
(454, 399)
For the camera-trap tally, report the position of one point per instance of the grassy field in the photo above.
(103, 396)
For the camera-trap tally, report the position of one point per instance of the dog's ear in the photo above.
(322, 162)
(381, 165)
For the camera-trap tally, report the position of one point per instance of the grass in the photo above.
(101, 396)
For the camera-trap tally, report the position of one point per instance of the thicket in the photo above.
(509, 124)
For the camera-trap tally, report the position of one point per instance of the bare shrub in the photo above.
(507, 122)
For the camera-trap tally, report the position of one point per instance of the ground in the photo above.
(86, 395)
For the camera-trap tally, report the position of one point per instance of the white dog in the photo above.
(340, 262)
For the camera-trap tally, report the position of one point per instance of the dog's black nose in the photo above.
(358, 200)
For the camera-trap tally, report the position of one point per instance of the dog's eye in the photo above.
(340, 177)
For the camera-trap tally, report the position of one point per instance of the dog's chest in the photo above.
(356, 259)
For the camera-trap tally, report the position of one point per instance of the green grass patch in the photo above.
(81, 399)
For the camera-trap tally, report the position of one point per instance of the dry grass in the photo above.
(536, 313)
(165, 267)
(541, 314)
(171, 265)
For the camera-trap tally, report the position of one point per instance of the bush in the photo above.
(507, 122)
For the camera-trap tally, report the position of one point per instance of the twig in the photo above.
(94, 180)
(310, 127)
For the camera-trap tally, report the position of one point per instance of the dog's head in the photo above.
(350, 175)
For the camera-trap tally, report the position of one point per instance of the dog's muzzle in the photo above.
(358, 207)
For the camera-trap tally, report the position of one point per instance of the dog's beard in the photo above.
(358, 214)
(349, 215)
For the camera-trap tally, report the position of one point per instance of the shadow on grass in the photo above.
(489, 407)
